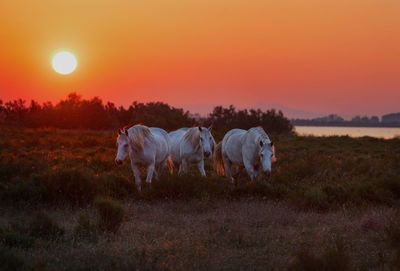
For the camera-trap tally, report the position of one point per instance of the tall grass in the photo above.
(74, 167)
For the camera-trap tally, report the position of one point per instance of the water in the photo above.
(381, 132)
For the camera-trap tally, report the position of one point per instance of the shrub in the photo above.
(120, 187)
(185, 186)
(306, 261)
(310, 198)
(10, 262)
(43, 226)
(393, 185)
(73, 186)
(111, 214)
(85, 229)
(336, 194)
(22, 191)
(12, 239)
(333, 258)
(392, 231)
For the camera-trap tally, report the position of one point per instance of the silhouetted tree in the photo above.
(224, 119)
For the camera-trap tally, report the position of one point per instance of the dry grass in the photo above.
(329, 201)
(245, 234)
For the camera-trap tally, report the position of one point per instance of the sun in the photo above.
(64, 62)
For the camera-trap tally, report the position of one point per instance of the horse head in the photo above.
(206, 141)
(267, 155)
(122, 145)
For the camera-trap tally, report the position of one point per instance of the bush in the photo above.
(111, 214)
(12, 239)
(333, 258)
(185, 186)
(22, 191)
(43, 226)
(310, 198)
(306, 261)
(85, 229)
(392, 231)
(10, 262)
(393, 185)
(73, 186)
(120, 187)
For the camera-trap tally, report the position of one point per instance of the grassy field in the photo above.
(331, 204)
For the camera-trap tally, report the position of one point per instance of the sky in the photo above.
(340, 56)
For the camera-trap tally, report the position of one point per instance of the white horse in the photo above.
(251, 149)
(147, 147)
(191, 146)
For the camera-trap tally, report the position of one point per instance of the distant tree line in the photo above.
(228, 118)
(77, 113)
(389, 120)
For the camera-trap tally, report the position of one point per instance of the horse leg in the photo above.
(150, 171)
(200, 166)
(227, 165)
(250, 170)
(240, 169)
(257, 173)
(180, 169)
(136, 172)
(161, 168)
(155, 172)
(183, 166)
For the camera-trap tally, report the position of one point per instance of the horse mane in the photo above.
(263, 134)
(193, 136)
(260, 130)
(138, 134)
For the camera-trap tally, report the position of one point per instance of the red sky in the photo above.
(339, 56)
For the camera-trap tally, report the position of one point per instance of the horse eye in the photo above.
(261, 154)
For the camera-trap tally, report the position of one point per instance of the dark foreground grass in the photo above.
(331, 203)
(213, 235)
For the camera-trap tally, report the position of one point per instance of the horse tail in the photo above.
(218, 161)
(170, 164)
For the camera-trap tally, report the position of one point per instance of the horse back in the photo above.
(161, 143)
(232, 145)
(176, 138)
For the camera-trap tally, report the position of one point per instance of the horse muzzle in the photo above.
(267, 173)
(207, 154)
(118, 162)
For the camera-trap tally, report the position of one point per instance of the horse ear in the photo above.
(209, 128)
(119, 131)
(261, 143)
(274, 159)
(200, 129)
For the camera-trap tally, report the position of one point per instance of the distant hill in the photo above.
(391, 118)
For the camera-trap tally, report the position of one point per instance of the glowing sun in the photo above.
(64, 62)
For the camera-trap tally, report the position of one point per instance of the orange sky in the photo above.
(339, 56)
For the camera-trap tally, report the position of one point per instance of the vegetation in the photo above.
(67, 114)
(93, 217)
(74, 167)
(225, 119)
(111, 214)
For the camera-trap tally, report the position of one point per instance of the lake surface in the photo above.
(382, 132)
